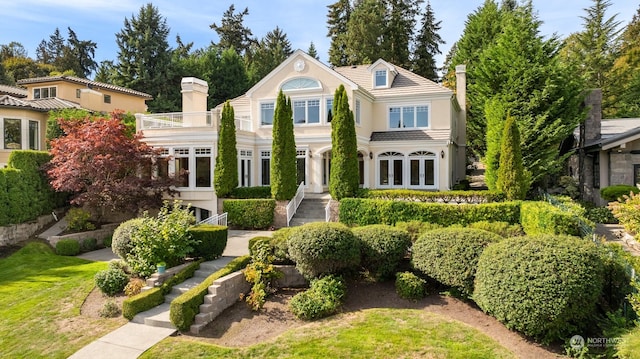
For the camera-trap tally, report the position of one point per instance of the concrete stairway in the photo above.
(159, 316)
(310, 210)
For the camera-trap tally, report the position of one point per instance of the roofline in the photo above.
(78, 80)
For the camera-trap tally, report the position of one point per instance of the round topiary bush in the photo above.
(450, 255)
(323, 298)
(121, 240)
(68, 247)
(111, 281)
(383, 247)
(417, 228)
(410, 286)
(613, 193)
(323, 248)
(542, 286)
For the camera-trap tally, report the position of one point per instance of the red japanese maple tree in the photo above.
(105, 168)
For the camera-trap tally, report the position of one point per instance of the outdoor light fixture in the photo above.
(370, 155)
(442, 154)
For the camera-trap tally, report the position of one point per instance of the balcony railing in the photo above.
(243, 123)
(176, 120)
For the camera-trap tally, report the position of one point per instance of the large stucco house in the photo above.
(410, 130)
(24, 110)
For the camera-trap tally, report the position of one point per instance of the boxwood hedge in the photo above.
(250, 213)
(211, 240)
(383, 247)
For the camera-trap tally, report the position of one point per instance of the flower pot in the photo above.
(161, 268)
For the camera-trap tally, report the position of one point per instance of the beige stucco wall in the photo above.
(25, 116)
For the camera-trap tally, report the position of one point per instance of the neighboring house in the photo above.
(24, 111)
(611, 151)
(410, 130)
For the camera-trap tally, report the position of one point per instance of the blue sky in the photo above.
(30, 21)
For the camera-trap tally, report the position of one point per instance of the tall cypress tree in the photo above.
(344, 180)
(513, 180)
(495, 113)
(225, 176)
(428, 44)
(283, 151)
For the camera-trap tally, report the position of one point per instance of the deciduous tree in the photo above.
(225, 176)
(344, 180)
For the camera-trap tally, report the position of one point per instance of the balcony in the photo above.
(175, 120)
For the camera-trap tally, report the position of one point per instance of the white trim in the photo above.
(402, 106)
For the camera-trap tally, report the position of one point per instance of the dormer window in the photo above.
(381, 78)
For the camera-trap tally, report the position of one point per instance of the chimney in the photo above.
(593, 122)
(194, 99)
(461, 96)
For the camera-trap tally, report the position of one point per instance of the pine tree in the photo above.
(225, 176)
(283, 151)
(495, 113)
(344, 180)
(144, 57)
(625, 74)
(232, 32)
(399, 30)
(428, 44)
(312, 51)
(337, 20)
(513, 180)
(230, 78)
(270, 52)
(366, 33)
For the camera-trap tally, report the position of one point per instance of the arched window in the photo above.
(301, 83)
(391, 154)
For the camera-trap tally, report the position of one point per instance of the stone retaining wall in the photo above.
(105, 231)
(17, 233)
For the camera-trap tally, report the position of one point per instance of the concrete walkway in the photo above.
(133, 339)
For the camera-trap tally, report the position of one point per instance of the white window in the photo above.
(44, 92)
(34, 135)
(301, 165)
(358, 111)
(401, 117)
(381, 78)
(265, 168)
(181, 163)
(301, 83)
(12, 128)
(329, 109)
(306, 111)
(244, 168)
(266, 113)
(390, 170)
(203, 167)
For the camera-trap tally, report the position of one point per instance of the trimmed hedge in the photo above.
(250, 213)
(545, 218)
(361, 212)
(503, 229)
(450, 255)
(323, 248)
(263, 192)
(430, 196)
(155, 296)
(121, 239)
(68, 247)
(543, 286)
(410, 286)
(613, 193)
(416, 228)
(184, 308)
(211, 240)
(321, 300)
(383, 247)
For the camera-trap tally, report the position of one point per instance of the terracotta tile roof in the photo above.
(13, 91)
(413, 135)
(405, 83)
(43, 105)
(86, 82)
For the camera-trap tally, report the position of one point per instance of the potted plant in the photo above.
(162, 267)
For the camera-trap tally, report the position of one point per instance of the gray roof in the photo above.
(615, 130)
(413, 135)
(85, 82)
(13, 91)
(44, 105)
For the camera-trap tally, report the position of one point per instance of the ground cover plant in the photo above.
(39, 324)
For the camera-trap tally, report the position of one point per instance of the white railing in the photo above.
(176, 119)
(327, 211)
(292, 207)
(217, 219)
(243, 123)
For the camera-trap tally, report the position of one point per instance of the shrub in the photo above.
(429, 196)
(542, 286)
(111, 281)
(110, 309)
(626, 211)
(107, 242)
(450, 255)
(601, 215)
(260, 273)
(225, 173)
(78, 220)
(67, 247)
(618, 265)
(361, 212)
(616, 192)
(383, 247)
(410, 286)
(121, 240)
(141, 302)
(88, 244)
(503, 229)
(184, 308)
(545, 218)
(279, 240)
(263, 192)
(258, 240)
(250, 213)
(323, 248)
(416, 228)
(133, 287)
(211, 240)
(117, 264)
(322, 299)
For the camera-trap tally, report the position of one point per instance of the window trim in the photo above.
(401, 107)
(379, 74)
(306, 111)
(48, 88)
(106, 98)
(301, 89)
(266, 102)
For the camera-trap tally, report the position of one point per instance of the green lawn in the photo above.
(372, 333)
(40, 299)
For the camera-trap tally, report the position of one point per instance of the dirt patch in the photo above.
(95, 301)
(239, 326)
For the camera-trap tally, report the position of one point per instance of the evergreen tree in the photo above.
(399, 30)
(4, 77)
(232, 32)
(428, 44)
(283, 151)
(229, 80)
(312, 51)
(625, 74)
(344, 180)
(272, 50)
(337, 20)
(365, 33)
(73, 56)
(144, 57)
(225, 176)
(495, 114)
(513, 179)
(106, 72)
(48, 51)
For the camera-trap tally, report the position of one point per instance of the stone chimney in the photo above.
(194, 100)
(593, 122)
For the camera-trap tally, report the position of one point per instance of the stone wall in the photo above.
(105, 231)
(17, 233)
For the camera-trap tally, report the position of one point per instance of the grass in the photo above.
(40, 298)
(372, 333)
(630, 346)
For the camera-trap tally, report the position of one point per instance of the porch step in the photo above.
(310, 210)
